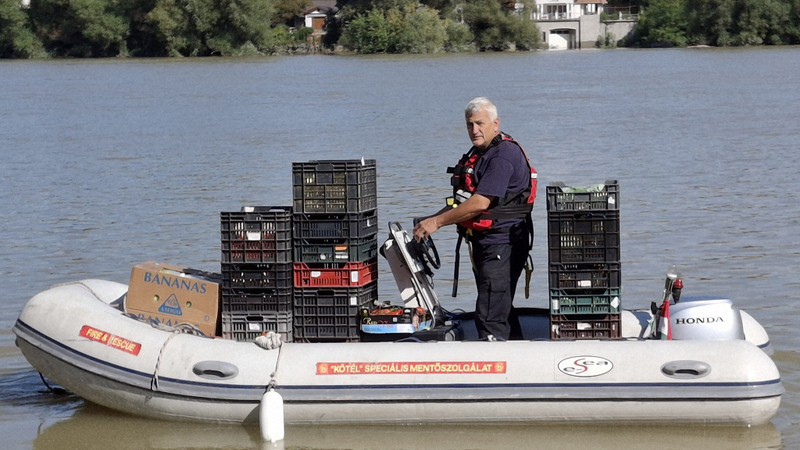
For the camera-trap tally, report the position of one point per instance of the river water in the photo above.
(109, 163)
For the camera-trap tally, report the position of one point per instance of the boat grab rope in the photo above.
(178, 327)
(154, 381)
(269, 341)
(80, 283)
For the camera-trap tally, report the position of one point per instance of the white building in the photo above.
(572, 24)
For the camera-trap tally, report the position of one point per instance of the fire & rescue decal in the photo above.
(585, 366)
(389, 368)
(111, 340)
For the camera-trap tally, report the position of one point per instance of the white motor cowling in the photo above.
(705, 319)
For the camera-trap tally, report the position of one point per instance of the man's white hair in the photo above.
(478, 104)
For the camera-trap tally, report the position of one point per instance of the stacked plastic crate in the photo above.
(335, 242)
(256, 272)
(584, 261)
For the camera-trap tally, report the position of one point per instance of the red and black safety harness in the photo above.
(513, 206)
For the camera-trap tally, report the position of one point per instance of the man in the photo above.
(494, 187)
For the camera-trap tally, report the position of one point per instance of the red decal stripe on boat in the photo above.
(111, 340)
(389, 368)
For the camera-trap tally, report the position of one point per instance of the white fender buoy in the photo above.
(270, 416)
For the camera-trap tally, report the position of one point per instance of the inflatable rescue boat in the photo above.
(716, 369)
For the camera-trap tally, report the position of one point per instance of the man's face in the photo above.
(482, 130)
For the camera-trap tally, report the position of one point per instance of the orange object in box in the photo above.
(174, 295)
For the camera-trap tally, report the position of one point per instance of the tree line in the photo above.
(109, 28)
(668, 23)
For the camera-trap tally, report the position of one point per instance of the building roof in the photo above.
(587, 2)
(320, 7)
(327, 3)
(317, 9)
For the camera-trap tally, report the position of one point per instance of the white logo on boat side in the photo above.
(585, 366)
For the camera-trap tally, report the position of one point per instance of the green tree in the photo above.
(418, 30)
(459, 36)
(17, 40)
(494, 26)
(411, 28)
(662, 24)
(212, 27)
(521, 30)
(791, 31)
(445, 7)
(759, 22)
(142, 40)
(709, 21)
(367, 33)
(172, 26)
(81, 27)
(287, 10)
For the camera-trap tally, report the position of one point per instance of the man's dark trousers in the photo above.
(497, 269)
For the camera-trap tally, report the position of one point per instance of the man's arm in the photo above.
(467, 210)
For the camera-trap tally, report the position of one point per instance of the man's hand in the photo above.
(425, 228)
(467, 210)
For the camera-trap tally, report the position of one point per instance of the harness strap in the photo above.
(456, 264)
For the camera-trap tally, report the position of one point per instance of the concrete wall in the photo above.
(619, 28)
(587, 29)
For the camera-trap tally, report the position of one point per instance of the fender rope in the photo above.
(273, 379)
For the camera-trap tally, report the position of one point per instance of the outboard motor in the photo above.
(705, 318)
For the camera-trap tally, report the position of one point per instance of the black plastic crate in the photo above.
(335, 226)
(585, 327)
(585, 276)
(334, 186)
(607, 302)
(334, 172)
(257, 276)
(246, 301)
(570, 198)
(247, 327)
(263, 234)
(335, 250)
(326, 328)
(330, 313)
(583, 237)
(307, 301)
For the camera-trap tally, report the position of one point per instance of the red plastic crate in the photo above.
(352, 274)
